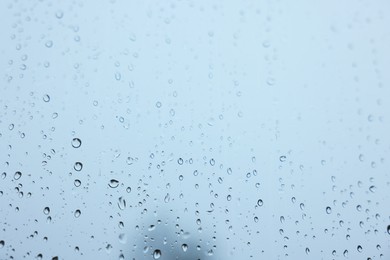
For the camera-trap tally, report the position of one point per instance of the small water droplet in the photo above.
(260, 202)
(78, 166)
(76, 142)
(59, 14)
(17, 175)
(77, 183)
(122, 238)
(77, 213)
(270, 81)
(282, 158)
(167, 198)
(121, 203)
(212, 162)
(158, 104)
(328, 210)
(46, 98)
(180, 161)
(184, 247)
(46, 210)
(49, 44)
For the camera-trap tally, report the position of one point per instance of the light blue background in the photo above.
(297, 91)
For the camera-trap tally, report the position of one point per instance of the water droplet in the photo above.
(59, 14)
(260, 202)
(17, 175)
(328, 210)
(270, 81)
(158, 104)
(307, 250)
(78, 166)
(180, 161)
(282, 158)
(388, 229)
(121, 203)
(76, 142)
(184, 247)
(49, 44)
(167, 198)
(46, 98)
(46, 210)
(113, 183)
(77, 213)
(157, 254)
(359, 248)
(2, 243)
(77, 183)
(212, 162)
(122, 238)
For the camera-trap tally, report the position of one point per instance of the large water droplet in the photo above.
(113, 183)
(157, 254)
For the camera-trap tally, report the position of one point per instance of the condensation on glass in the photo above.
(194, 129)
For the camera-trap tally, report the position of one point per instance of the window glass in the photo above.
(194, 129)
